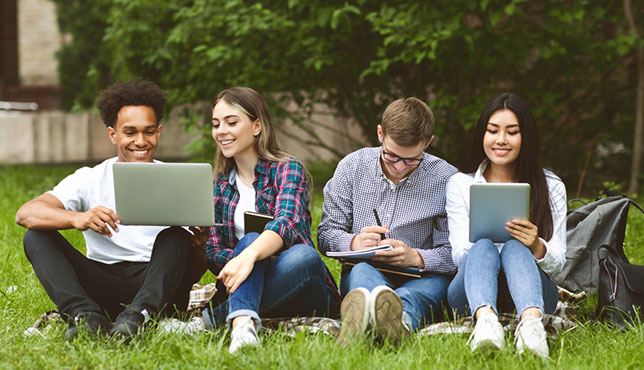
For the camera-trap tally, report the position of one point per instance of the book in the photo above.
(363, 254)
(255, 222)
(405, 271)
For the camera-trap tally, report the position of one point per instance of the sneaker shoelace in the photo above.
(483, 324)
(529, 327)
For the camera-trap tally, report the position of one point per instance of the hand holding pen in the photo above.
(369, 236)
(375, 213)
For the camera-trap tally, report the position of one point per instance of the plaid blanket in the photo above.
(562, 320)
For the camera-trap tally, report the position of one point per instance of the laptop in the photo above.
(164, 194)
(492, 205)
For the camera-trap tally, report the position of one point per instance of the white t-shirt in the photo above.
(88, 188)
(246, 203)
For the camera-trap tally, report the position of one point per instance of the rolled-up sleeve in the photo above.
(291, 203)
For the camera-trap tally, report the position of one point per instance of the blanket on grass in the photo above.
(561, 320)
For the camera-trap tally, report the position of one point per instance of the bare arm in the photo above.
(46, 212)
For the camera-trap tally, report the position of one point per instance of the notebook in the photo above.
(164, 194)
(492, 205)
(255, 222)
(362, 254)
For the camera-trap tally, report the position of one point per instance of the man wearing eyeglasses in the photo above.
(391, 195)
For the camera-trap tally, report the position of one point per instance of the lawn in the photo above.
(22, 300)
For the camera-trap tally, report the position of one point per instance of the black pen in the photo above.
(375, 213)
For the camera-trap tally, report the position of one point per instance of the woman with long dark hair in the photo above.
(510, 276)
(275, 273)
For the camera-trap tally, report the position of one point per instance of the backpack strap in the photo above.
(613, 193)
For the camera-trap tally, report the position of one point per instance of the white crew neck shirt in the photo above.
(246, 203)
(90, 187)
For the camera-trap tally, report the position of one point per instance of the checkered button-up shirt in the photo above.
(281, 190)
(414, 208)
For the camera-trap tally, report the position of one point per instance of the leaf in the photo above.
(510, 9)
(335, 18)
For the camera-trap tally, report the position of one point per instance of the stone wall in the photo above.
(61, 137)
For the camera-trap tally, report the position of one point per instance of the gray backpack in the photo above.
(596, 224)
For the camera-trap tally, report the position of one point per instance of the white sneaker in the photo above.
(488, 334)
(244, 334)
(531, 337)
(354, 312)
(386, 311)
(194, 326)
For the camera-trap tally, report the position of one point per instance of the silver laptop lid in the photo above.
(167, 194)
(492, 205)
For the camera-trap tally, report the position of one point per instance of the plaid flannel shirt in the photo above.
(281, 190)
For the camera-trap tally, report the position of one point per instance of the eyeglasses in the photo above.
(392, 158)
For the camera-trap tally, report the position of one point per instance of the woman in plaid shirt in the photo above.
(276, 273)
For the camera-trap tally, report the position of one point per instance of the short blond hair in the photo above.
(408, 122)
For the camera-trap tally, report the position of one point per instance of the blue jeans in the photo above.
(506, 281)
(293, 283)
(421, 297)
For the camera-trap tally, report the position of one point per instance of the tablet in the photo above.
(492, 205)
(164, 194)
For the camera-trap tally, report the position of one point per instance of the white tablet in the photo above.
(492, 205)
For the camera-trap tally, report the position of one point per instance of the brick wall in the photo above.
(38, 41)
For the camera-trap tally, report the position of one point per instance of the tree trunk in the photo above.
(639, 106)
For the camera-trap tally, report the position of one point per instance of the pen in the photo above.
(375, 213)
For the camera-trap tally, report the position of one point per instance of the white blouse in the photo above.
(458, 218)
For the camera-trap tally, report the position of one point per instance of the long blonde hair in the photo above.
(255, 107)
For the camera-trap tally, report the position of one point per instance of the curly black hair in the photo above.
(134, 92)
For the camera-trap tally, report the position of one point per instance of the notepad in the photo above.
(361, 254)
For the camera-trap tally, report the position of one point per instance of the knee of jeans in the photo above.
(303, 255)
(514, 247)
(483, 246)
(362, 268)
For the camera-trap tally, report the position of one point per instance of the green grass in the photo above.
(589, 346)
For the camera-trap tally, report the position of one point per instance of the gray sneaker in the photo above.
(531, 337)
(354, 312)
(487, 335)
(386, 311)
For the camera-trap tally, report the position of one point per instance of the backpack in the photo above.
(589, 227)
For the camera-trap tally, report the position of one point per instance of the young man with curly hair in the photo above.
(130, 272)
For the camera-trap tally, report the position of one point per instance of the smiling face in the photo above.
(136, 134)
(502, 139)
(233, 131)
